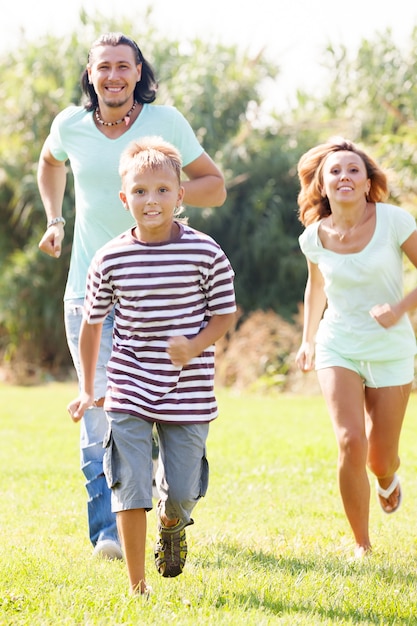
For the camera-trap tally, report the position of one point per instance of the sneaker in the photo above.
(170, 550)
(108, 549)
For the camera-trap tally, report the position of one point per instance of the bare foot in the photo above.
(362, 551)
(143, 590)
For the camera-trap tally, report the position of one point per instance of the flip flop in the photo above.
(385, 493)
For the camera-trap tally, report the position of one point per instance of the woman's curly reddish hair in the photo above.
(312, 205)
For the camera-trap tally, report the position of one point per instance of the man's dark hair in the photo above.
(146, 88)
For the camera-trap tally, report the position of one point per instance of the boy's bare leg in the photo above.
(132, 526)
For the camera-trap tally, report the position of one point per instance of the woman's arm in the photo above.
(314, 305)
(387, 315)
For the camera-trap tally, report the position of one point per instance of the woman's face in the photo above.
(345, 179)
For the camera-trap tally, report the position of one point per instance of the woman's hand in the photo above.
(385, 314)
(305, 356)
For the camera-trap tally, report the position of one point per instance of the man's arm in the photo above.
(52, 178)
(205, 185)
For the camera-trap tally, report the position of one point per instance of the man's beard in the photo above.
(116, 104)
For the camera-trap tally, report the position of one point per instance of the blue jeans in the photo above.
(94, 425)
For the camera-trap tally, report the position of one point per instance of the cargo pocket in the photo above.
(204, 479)
(110, 460)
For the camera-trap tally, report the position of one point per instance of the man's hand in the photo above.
(51, 241)
(77, 407)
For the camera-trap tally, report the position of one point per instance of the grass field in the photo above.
(270, 544)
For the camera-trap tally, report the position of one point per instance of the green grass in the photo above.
(270, 545)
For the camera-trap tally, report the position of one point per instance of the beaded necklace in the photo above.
(125, 118)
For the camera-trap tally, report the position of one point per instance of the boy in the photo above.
(172, 289)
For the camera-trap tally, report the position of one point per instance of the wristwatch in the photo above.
(57, 220)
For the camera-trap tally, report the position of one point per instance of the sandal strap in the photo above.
(385, 493)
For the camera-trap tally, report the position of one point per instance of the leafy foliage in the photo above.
(258, 226)
(370, 98)
(211, 84)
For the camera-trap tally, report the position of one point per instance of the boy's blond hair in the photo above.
(150, 153)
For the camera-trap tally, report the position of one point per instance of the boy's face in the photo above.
(152, 197)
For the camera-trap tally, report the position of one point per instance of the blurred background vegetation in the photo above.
(370, 97)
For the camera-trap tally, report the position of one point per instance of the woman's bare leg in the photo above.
(385, 409)
(344, 395)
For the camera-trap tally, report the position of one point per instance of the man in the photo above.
(120, 86)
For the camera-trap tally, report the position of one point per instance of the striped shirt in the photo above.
(159, 291)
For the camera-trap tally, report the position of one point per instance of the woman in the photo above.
(356, 326)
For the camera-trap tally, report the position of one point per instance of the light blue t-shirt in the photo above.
(355, 282)
(94, 158)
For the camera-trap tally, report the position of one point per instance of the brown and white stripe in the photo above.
(159, 291)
